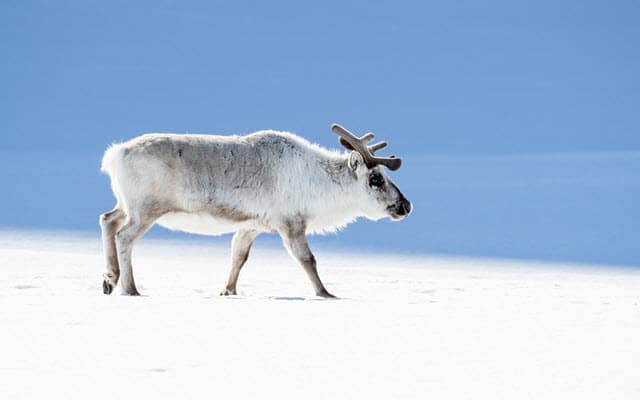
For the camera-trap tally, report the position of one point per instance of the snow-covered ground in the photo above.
(427, 327)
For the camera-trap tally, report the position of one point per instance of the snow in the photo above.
(404, 327)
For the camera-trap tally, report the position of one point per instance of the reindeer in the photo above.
(267, 181)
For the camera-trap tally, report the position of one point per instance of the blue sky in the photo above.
(437, 77)
(460, 79)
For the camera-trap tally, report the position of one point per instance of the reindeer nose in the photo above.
(408, 206)
(404, 208)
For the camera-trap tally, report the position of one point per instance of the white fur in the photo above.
(326, 202)
(263, 182)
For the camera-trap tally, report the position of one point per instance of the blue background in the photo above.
(517, 121)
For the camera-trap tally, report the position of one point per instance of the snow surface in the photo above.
(405, 327)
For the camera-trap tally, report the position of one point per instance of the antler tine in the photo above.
(366, 138)
(393, 163)
(346, 136)
(377, 146)
(359, 144)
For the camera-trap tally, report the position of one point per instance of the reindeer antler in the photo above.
(354, 143)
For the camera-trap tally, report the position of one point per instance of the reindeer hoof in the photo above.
(326, 295)
(228, 292)
(107, 288)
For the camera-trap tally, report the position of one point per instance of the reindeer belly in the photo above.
(201, 223)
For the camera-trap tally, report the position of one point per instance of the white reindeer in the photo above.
(267, 181)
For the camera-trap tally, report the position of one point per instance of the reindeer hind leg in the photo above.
(110, 223)
(136, 225)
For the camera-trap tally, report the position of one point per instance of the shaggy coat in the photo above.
(267, 181)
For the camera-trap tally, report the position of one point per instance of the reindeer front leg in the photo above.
(295, 241)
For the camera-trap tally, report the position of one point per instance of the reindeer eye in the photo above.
(376, 180)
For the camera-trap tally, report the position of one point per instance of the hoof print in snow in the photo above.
(107, 288)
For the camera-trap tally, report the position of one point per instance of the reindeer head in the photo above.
(383, 198)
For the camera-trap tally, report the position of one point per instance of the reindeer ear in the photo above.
(355, 160)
